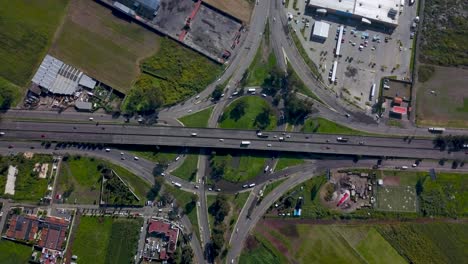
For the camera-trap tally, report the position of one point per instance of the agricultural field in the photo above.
(325, 126)
(442, 99)
(245, 113)
(429, 242)
(238, 168)
(105, 46)
(188, 169)
(198, 119)
(106, 239)
(12, 253)
(259, 250)
(26, 31)
(28, 186)
(80, 181)
(241, 9)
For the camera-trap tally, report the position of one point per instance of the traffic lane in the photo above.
(221, 134)
(329, 148)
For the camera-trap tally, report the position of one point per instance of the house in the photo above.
(167, 233)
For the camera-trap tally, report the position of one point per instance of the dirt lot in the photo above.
(241, 9)
(447, 105)
(103, 45)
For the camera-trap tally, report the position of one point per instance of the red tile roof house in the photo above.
(49, 232)
(163, 229)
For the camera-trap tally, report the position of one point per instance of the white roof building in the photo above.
(320, 29)
(381, 11)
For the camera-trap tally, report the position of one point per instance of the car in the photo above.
(2, 133)
(136, 158)
(107, 149)
(193, 134)
(361, 142)
(163, 174)
(281, 138)
(198, 96)
(210, 189)
(42, 136)
(198, 203)
(121, 153)
(218, 190)
(414, 165)
(91, 119)
(10, 146)
(269, 145)
(245, 186)
(288, 136)
(196, 186)
(347, 115)
(122, 158)
(221, 140)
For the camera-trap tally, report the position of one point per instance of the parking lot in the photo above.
(367, 52)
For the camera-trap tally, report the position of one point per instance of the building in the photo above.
(320, 32)
(398, 111)
(56, 77)
(167, 234)
(144, 8)
(83, 106)
(383, 12)
(397, 100)
(46, 233)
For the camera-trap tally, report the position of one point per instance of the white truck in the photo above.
(245, 143)
(178, 185)
(266, 168)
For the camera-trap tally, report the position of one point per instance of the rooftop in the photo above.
(321, 29)
(171, 234)
(378, 10)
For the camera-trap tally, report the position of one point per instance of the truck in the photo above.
(266, 168)
(372, 93)
(245, 143)
(251, 185)
(251, 90)
(342, 139)
(436, 129)
(178, 185)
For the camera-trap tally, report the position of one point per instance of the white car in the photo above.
(136, 158)
(107, 149)
(269, 145)
(91, 119)
(221, 140)
(2, 133)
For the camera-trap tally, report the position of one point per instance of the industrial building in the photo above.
(147, 9)
(57, 77)
(384, 12)
(320, 32)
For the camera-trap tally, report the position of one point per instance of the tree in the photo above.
(187, 255)
(239, 110)
(218, 91)
(263, 120)
(159, 169)
(296, 110)
(7, 93)
(144, 98)
(275, 82)
(220, 208)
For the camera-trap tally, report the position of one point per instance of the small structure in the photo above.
(83, 106)
(11, 179)
(320, 32)
(398, 111)
(87, 82)
(397, 100)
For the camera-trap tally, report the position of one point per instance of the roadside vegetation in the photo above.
(236, 167)
(106, 239)
(271, 186)
(325, 126)
(288, 160)
(259, 250)
(250, 112)
(26, 31)
(188, 169)
(425, 72)
(170, 76)
(13, 253)
(312, 66)
(198, 119)
(9, 93)
(263, 62)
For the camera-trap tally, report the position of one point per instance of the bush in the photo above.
(425, 72)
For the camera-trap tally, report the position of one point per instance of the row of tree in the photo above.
(219, 210)
(451, 142)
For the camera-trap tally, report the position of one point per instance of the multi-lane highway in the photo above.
(225, 138)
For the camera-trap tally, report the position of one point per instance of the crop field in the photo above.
(428, 243)
(396, 199)
(443, 99)
(245, 119)
(26, 31)
(240, 9)
(198, 119)
(106, 240)
(13, 253)
(103, 45)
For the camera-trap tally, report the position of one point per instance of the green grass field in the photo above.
(261, 66)
(188, 169)
(396, 199)
(243, 168)
(157, 156)
(198, 119)
(286, 160)
(13, 253)
(177, 71)
(254, 106)
(184, 201)
(28, 186)
(428, 243)
(103, 45)
(81, 179)
(9, 93)
(106, 240)
(325, 126)
(26, 31)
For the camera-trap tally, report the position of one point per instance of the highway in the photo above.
(224, 139)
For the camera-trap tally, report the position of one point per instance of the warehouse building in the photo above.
(320, 32)
(59, 78)
(381, 12)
